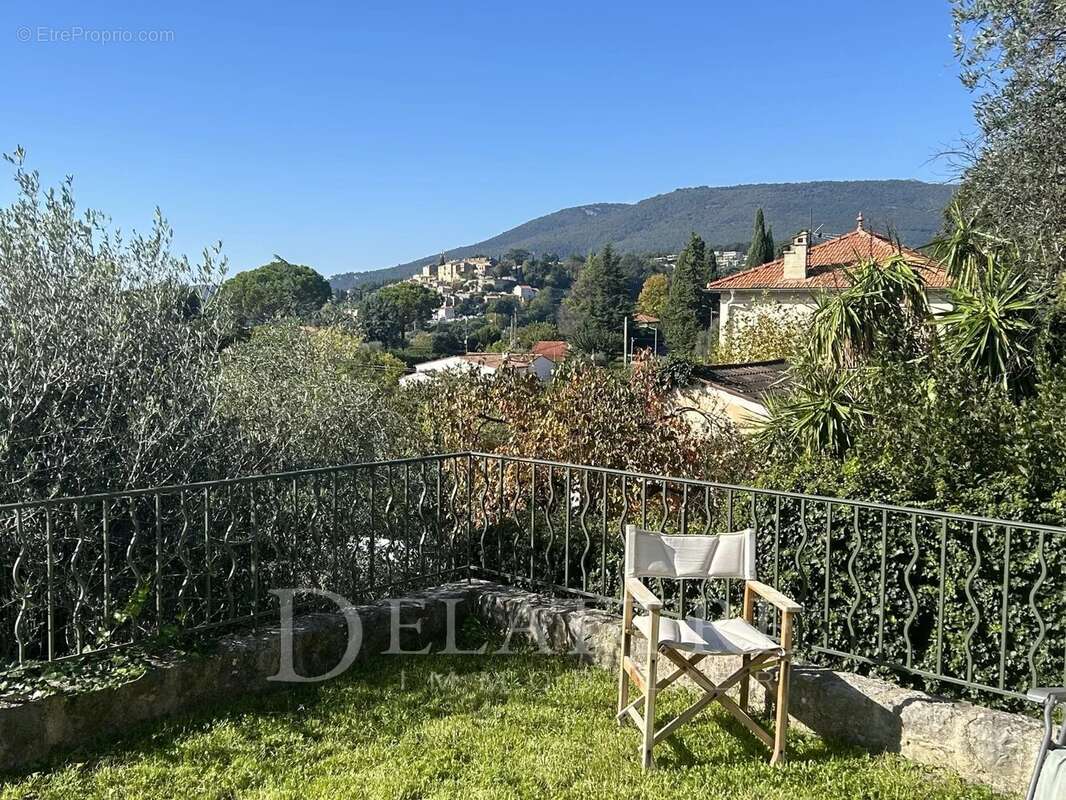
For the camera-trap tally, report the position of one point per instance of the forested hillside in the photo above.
(721, 215)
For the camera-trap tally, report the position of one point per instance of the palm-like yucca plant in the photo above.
(883, 305)
(964, 247)
(821, 413)
(892, 284)
(992, 323)
(840, 327)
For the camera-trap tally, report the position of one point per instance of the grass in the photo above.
(495, 726)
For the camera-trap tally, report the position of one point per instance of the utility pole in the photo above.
(625, 339)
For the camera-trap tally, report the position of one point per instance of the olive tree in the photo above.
(1013, 57)
(109, 351)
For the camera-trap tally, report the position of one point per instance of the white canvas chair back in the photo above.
(657, 555)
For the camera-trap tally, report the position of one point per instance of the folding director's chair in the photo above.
(1049, 774)
(686, 642)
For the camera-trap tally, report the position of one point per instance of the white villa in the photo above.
(485, 363)
(524, 292)
(808, 269)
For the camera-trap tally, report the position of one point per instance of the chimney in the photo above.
(858, 220)
(795, 268)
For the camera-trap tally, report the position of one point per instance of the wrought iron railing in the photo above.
(87, 573)
(950, 599)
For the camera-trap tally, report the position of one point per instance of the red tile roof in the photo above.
(645, 319)
(552, 350)
(826, 263)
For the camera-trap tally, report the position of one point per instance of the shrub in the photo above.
(587, 415)
(303, 397)
(765, 332)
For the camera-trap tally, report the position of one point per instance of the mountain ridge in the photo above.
(909, 209)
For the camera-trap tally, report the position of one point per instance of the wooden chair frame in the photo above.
(752, 666)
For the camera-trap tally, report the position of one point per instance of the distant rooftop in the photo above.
(497, 360)
(552, 349)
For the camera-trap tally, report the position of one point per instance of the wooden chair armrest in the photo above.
(783, 604)
(643, 595)
(1042, 694)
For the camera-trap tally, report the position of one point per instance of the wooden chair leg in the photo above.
(627, 640)
(781, 727)
(745, 683)
(647, 761)
(749, 617)
(784, 678)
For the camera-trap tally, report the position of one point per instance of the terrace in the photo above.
(961, 607)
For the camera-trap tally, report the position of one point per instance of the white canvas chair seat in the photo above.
(730, 637)
(1053, 777)
(1049, 774)
(683, 643)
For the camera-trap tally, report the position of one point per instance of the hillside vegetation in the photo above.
(911, 210)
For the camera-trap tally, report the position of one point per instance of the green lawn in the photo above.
(504, 726)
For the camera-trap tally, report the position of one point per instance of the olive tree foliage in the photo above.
(304, 397)
(118, 368)
(108, 352)
(1013, 57)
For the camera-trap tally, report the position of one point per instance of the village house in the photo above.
(807, 270)
(735, 391)
(555, 350)
(454, 270)
(524, 292)
(484, 363)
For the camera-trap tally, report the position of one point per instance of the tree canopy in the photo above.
(1013, 57)
(653, 295)
(277, 289)
(386, 314)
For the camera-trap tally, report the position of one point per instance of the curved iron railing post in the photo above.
(469, 516)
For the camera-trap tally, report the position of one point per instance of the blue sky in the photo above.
(353, 136)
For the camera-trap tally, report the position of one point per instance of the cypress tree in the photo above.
(758, 242)
(686, 306)
(769, 252)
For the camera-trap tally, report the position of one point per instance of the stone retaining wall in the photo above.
(30, 732)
